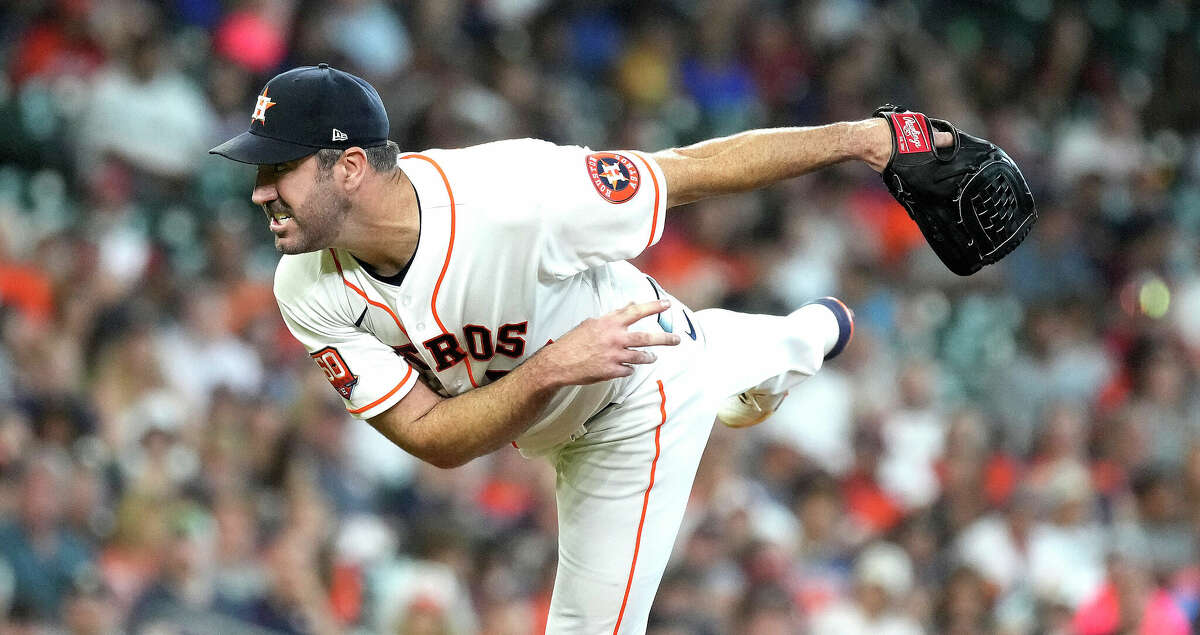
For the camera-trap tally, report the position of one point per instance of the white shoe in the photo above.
(749, 408)
(753, 406)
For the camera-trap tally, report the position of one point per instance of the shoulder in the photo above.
(507, 147)
(498, 184)
(506, 156)
(310, 286)
(295, 275)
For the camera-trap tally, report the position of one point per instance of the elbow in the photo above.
(428, 443)
(444, 458)
(446, 461)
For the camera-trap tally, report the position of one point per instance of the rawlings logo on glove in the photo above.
(970, 200)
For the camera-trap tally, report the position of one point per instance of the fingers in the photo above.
(635, 312)
(942, 139)
(643, 338)
(638, 357)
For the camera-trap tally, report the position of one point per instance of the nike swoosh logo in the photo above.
(691, 329)
(662, 321)
(360, 319)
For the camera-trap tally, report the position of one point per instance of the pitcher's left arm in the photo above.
(755, 158)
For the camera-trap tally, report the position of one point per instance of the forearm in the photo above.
(756, 158)
(479, 421)
(450, 432)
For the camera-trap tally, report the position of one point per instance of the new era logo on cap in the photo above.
(310, 108)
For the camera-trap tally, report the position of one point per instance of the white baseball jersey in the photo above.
(520, 241)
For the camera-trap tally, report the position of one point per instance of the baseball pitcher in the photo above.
(464, 300)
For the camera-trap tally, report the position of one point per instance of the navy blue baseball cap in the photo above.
(307, 109)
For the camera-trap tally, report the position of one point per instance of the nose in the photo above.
(264, 190)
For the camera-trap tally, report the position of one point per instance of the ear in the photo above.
(351, 168)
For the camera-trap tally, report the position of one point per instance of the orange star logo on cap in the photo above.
(260, 108)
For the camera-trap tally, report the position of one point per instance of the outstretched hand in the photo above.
(604, 348)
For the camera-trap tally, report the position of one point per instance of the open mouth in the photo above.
(276, 218)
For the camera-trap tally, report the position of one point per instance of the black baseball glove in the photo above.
(970, 200)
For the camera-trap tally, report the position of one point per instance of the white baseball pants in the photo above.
(622, 487)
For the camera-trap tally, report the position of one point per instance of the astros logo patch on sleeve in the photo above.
(614, 176)
(336, 370)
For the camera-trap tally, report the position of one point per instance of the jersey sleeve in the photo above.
(595, 207)
(368, 374)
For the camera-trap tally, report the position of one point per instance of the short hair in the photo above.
(381, 158)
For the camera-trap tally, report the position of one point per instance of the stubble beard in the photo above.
(323, 216)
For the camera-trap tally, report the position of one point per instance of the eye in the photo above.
(280, 168)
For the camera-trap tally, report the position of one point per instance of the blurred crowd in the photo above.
(1014, 452)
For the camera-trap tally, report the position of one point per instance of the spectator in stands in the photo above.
(1026, 437)
(138, 99)
(44, 555)
(883, 578)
